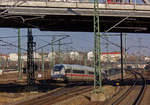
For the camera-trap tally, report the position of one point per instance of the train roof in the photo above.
(73, 66)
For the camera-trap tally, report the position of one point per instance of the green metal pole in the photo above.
(137, 59)
(50, 59)
(59, 49)
(19, 56)
(85, 60)
(108, 60)
(0, 62)
(53, 56)
(125, 61)
(42, 62)
(97, 66)
(121, 50)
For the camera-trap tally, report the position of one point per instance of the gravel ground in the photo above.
(85, 99)
(9, 98)
(131, 97)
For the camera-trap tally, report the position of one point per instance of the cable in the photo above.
(12, 45)
(111, 29)
(51, 42)
(116, 24)
(32, 35)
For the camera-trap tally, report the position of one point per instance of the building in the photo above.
(110, 56)
(105, 56)
(147, 58)
(90, 55)
(13, 57)
(24, 57)
(74, 55)
(37, 55)
(4, 56)
(52, 55)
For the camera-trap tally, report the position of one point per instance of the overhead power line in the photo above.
(52, 42)
(12, 45)
(33, 36)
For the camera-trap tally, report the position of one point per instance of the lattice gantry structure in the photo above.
(97, 66)
(30, 60)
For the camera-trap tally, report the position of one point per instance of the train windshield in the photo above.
(57, 68)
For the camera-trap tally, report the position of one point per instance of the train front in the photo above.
(58, 73)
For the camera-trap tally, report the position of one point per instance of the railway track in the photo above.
(133, 95)
(57, 96)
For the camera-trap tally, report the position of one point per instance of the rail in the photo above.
(139, 96)
(57, 96)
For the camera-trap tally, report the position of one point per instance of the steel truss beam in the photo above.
(30, 61)
(97, 66)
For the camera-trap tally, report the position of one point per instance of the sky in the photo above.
(81, 41)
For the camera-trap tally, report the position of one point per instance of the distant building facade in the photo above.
(13, 57)
(4, 56)
(74, 55)
(111, 56)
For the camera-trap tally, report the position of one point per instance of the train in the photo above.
(70, 72)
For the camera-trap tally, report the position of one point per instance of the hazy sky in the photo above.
(82, 41)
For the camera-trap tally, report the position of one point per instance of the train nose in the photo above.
(57, 75)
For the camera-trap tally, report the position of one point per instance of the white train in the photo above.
(67, 72)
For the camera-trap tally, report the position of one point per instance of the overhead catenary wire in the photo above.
(116, 24)
(7, 43)
(52, 42)
(111, 29)
(12, 44)
(32, 35)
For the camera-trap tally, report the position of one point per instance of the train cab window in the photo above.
(67, 71)
(78, 71)
(58, 68)
(91, 72)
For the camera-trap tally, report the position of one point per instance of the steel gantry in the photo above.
(30, 61)
(97, 66)
(53, 54)
(59, 51)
